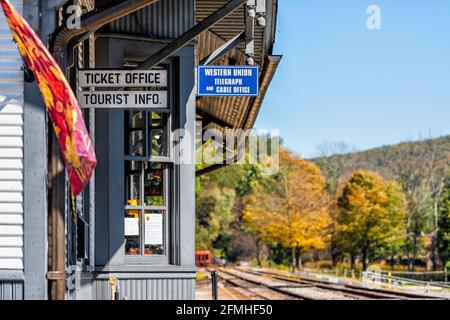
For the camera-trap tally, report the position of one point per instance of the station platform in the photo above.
(203, 292)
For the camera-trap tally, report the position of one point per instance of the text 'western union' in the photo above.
(228, 72)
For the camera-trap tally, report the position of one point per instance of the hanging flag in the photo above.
(62, 106)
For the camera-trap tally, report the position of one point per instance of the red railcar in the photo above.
(203, 258)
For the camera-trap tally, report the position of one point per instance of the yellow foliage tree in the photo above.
(291, 208)
(371, 216)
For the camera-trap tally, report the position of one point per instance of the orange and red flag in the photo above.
(62, 106)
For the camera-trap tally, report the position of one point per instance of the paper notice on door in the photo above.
(131, 227)
(154, 229)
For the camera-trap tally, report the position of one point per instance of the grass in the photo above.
(201, 276)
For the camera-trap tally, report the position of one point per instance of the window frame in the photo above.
(152, 259)
(169, 180)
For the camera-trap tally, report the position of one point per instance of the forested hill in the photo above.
(389, 161)
(239, 210)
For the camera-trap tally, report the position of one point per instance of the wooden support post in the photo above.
(56, 195)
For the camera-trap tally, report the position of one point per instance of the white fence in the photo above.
(379, 280)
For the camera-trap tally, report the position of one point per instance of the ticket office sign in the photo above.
(122, 78)
(99, 81)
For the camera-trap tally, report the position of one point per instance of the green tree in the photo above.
(371, 216)
(443, 236)
(214, 216)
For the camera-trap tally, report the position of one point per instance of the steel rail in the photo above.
(346, 288)
(250, 292)
(262, 284)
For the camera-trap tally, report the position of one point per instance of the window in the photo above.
(148, 175)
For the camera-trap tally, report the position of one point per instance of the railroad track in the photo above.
(273, 286)
(374, 293)
(286, 289)
(249, 289)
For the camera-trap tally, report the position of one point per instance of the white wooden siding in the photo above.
(10, 208)
(11, 153)
(11, 149)
(11, 197)
(10, 175)
(11, 242)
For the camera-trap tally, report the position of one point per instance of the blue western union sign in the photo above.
(227, 81)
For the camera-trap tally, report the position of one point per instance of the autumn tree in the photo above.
(371, 216)
(211, 188)
(332, 158)
(443, 235)
(257, 213)
(291, 208)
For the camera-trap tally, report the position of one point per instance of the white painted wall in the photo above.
(11, 149)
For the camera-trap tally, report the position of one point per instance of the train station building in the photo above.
(131, 233)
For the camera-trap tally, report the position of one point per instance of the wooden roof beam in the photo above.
(210, 118)
(223, 49)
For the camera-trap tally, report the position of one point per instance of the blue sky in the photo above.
(341, 82)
